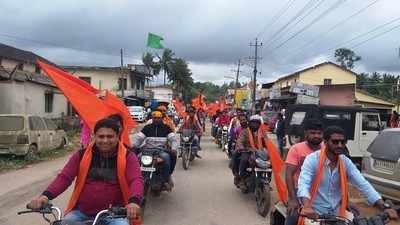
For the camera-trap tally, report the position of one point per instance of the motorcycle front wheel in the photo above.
(185, 159)
(263, 200)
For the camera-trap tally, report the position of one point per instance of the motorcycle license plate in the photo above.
(147, 169)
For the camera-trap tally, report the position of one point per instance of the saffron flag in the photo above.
(84, 98)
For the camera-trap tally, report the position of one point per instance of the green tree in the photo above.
(165, 62)
(346, 57)
(148, 61)
(180, 77)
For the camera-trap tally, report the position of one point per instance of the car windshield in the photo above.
(386, 146)
(11, 123)
(135, 109)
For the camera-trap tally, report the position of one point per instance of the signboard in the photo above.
(304, 99)
(275, 93)
(304, 89)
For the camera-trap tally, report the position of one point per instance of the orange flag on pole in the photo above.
(84, 98)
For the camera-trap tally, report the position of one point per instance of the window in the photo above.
(337, 116)
(50, 124)
(370, 122)
(48, 102)
(87, 79)
(124, 83)
(327, 81)
(37, 69)
(36, 123)
(11, 123)
(138, 84)
(20, 66)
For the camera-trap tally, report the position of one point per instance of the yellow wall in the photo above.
(287, 81)
(316, 76)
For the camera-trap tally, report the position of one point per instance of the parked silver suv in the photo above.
(381, 165)
(27, 134)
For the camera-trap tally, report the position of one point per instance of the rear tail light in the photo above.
(22, 139)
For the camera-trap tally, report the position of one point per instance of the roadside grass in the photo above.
(9, 162)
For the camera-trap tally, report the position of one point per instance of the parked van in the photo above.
(28, 134)
(360, 124)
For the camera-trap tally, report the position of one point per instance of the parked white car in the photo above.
(28, 134)
(138, 113)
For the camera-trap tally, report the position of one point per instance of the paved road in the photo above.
(204, 195)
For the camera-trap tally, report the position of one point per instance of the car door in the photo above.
(370, 127)
(54, 136)
(38, 132)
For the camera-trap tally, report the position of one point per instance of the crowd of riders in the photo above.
(107, 171)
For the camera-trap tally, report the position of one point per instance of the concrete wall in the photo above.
(103, 79)
(29, 98)
(328, 71)
(162, 94)
(336, 95)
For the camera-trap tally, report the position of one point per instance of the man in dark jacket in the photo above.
(159, 135)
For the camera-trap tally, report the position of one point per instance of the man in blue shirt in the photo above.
(328, 196)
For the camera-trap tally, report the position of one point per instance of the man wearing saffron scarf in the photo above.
(107, 174)
(323, 180)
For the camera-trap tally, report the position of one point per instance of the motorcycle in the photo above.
(257, 180)
(56, 213)
(151, 165)
(187, 149)
(278, 216)
(223, 142)
(231, 148)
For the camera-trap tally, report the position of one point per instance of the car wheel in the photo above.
(33, 153)
(64, 142)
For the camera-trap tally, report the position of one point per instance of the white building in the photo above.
(24, 89)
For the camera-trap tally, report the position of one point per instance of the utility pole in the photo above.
(256, 45)
(236, 84)
(122, 74)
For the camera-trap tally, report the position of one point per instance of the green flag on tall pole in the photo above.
(154, 41)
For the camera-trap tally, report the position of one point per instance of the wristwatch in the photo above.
(387, 205)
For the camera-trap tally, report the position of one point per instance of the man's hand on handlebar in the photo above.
(38, 202)
(392, 214)
(132, 211)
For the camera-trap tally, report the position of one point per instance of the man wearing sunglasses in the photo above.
(322, 185)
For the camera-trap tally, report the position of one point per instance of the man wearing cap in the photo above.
(243, 144)
(159, 135)
(167, 121)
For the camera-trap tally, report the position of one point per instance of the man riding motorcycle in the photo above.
(294, 160)
(107, 174)
(235, 161)
(166, 119)
(159, 135)
(323, 180)
(243, 144)
(191, 122)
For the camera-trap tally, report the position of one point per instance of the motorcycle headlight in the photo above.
(185, 139)
(225, 128)
(146, 160)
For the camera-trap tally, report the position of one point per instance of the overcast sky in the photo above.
(210, 34)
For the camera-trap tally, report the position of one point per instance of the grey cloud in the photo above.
(213, 34)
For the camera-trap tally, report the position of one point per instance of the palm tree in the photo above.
(165, 62)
